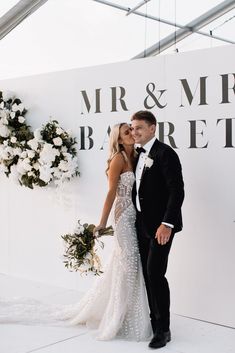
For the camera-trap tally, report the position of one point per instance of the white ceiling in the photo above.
(5, 5)
(63, 34)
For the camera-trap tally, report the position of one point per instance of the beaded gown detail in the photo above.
(116, 305)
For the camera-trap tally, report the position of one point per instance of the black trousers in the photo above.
(154, 258)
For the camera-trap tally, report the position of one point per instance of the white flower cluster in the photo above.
(48, 159)
(9, 113)
(39, 158)
(79, 229)
(13, 130)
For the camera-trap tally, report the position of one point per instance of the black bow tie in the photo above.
(140, 149)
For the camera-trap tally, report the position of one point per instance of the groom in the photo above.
(158, 194)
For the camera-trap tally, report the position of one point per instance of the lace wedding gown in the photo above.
(116, 305)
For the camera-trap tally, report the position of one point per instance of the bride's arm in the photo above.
(115, 169)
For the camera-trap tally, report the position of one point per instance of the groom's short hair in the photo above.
(145, 115)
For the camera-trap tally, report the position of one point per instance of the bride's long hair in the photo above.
(114, 145)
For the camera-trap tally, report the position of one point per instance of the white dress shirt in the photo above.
(140, 167)
(139, 171)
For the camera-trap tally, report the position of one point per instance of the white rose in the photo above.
(67, 175)
(27, 167)
(59, 131)
(21, 119)
(45, 173)
(82, 229)
(33, 144)
(15, 107)
(26, 164)
(19, 167)
(4, 155)
(63, 165)
(4, 113)
(57, 141)
(13, 139)
(21, 107)
(18, 151)
(37, 134)
(12, 115)
(23, 154)
(6, 95)
(72, 166)
(36, 166)
(31, 153)
(48, 153)
(148, 162)
(79, 229)
(14, 174)
(2, 105)
(30, 173)
(5, 120)
(4, 131)
(57, 173)
(64, 149)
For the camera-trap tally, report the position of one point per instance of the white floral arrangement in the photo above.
(14, 132)
(47, 156)
(50, 157)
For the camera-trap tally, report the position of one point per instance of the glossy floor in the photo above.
(188, 335)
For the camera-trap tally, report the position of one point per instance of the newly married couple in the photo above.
(148, 192)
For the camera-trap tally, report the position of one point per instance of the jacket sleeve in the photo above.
(172, 173)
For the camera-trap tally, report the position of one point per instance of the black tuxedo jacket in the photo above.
(161, 191)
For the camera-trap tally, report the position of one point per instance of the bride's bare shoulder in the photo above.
(117, 162)
(118, 158)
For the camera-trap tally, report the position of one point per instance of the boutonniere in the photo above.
(148, 162)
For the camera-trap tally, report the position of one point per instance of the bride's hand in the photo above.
(97, 229)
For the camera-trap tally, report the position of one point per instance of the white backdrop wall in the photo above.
(192, 95)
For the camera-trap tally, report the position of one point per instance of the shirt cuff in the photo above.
(168, 224)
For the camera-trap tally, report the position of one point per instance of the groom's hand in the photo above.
(163, 234)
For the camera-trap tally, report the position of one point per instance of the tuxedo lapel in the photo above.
(142, 175)
(136, 162)
(152, 154)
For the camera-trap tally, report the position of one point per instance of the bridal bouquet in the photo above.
(50, 156)
(14, 132)
(80, 252)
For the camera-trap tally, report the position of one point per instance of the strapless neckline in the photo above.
(128, 171)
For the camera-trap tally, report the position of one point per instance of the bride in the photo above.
(116, 305)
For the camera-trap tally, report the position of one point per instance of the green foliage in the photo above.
(80, 253)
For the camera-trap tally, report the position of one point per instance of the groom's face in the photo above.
(142, 131)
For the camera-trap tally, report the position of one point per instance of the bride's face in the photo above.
(125, 135)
